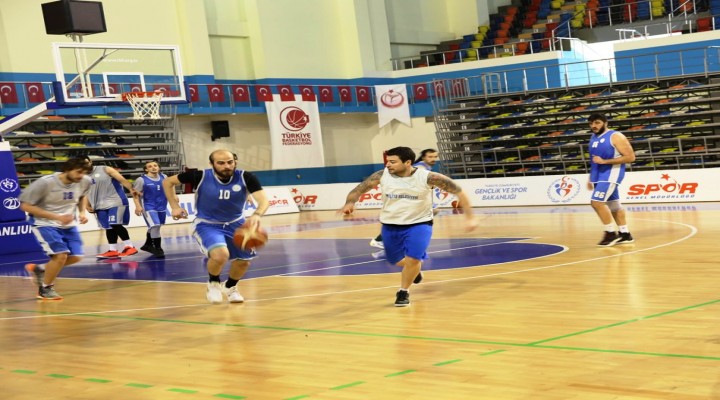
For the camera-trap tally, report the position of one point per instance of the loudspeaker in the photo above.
(220, 129)
(72, 16)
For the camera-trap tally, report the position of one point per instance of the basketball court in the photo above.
(525, 307)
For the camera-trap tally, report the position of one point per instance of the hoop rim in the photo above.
(125, 95)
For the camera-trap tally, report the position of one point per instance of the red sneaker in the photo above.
(109, 254)
(128, 251)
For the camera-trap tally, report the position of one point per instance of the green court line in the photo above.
(347, 385)
(440, 364)
(304, 396)
(96, 380)
(178, 390)
(489, 353)
(60, 376)
(23, 371)
(642, 353)
(407, 371)
(139, 385)
(229, 396)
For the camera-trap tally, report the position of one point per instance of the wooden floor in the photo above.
(639, 321)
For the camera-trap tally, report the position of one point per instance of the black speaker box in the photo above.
(220, 129)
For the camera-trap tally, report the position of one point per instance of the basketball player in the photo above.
(220, 197)
(51, 202)
(151, 203)
(407, 215)
(427, 160)
(609, 152)
(108, 201)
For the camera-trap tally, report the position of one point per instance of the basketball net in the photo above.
(145, 105)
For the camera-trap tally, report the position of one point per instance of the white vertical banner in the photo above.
(392, 103)
(295, 135)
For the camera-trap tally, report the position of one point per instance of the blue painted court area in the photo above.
(298, 257)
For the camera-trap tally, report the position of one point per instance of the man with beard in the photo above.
(51, 202)
(427, 160)
(220, 196)
(609, 151)
(150, 203)
(407, 214)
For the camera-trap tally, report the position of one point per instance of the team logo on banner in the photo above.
(295, 134)
(304, 202)
(563, 190)
(8, 185)
(392, 104)
(294, 118)
(666, 188)
(11, 203)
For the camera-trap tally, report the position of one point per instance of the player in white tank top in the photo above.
(407, 213)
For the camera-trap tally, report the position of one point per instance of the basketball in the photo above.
(246, 239)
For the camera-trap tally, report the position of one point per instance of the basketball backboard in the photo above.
(98, 73)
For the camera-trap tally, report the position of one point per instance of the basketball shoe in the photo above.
(418, 278)
(37, 273)
(128, 251)
(609, 239)
(402, 298)
(48, 293)
(377, 243)
(109, 254)
(232, 294)
(214, 293)
(625, 238)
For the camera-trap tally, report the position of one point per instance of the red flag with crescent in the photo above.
(263, 93)
(420, 91)
(439, 89)
(8, 95)
(286, 93)
(194, 94)
(240, 93)
(345, 94)
(307, 92)
(326, 94)
(35, 93)
(216, 93)
(362, 93)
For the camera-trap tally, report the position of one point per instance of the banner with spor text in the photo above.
(669, 186)
(281, 202)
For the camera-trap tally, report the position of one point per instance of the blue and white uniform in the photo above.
(406, 215)
(220, 208)
(108, 199)
(605, 177)
(153, 199)
(51, 194)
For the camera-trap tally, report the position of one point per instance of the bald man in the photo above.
(220, 196)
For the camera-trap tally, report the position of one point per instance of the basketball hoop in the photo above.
(145, 105)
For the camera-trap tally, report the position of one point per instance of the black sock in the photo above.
(214, 278)
(231, 282)
(378, 238)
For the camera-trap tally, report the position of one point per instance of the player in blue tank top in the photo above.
(609, 151)
(220, 196)
(151, 204)
(426, 160)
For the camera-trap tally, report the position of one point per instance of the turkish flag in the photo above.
(135, 87)
(113, 88)
(326, 94)
(439, 88)
(263, 93)
(240, 93)
(35, 93)
(420, 91)
(8, 95)
(362, 93)
(165, 89)
(286, 93)
(458, 87)
(345, 94)
(216, 93)
(194, 94)
(307, 92)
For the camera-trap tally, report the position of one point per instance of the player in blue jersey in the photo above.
(151, 204)
(220, 197)
(426, 160)
(609, 151)
(407, 215)
(55, 204)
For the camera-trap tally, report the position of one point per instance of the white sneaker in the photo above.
(232, 294)
(377, 243)
(214, 293)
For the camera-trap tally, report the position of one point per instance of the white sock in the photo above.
(610, 228)
(127, 243)
(624, 229)
(113, 247)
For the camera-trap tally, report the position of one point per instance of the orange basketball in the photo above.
(247, 239)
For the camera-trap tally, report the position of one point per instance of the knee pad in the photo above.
(615, 205)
